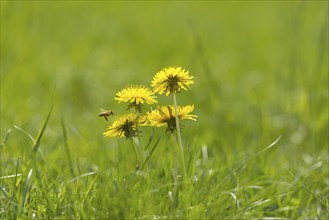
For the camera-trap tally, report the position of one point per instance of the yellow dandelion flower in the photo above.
(171, 80)
(125, 125)
(165, 115)
(136, 95)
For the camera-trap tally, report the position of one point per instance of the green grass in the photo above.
(259, 148)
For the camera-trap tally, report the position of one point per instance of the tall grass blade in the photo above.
(6, 137)
(17, 174)
(26, 188)
(150, 154)
(25, 132)
(116, 186)
(10, 176)
(258, 153)
(149, 141)
(4, 192)
(66, 146)
(244, 162)
(82, 175)
(307, 189)
(37, 143)
(43, 186)
(236, 201)
(265, 149)
(131, 177)
(88, 191)
(144, 163)
(248, 207)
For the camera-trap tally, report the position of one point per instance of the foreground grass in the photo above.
(255, 185)
(259, 148)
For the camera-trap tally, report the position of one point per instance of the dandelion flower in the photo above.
(165, 115)
(136, 95)
(171, 80)
(125, 125)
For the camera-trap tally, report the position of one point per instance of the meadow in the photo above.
(259, 146)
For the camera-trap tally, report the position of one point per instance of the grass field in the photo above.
(259, 147)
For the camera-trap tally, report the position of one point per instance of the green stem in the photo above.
(179, 134)
(175, 170)
(174, 141)
(142, 146)
(136, 151)
(140, 142)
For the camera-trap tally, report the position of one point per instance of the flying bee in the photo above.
(105, 113)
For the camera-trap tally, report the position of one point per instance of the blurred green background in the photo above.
(260, 68)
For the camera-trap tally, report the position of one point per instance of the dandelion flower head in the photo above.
(171, 80)
(136, 95)
(125, 126)
(165, 115)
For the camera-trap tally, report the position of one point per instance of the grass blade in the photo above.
(265, 149)
(131, 177)
(236, 201)
(17, 174)
(89, 189)
(82, 175)
(4, 192)
(150, 154)
(6, 137)
(144, 163)
(26, 188)
(307, 189)
(116, 186)
(25, 132)
(66, 146)
(37, 143)
(149, 141)
(258, 153)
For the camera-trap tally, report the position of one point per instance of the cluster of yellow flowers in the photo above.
(169, 80)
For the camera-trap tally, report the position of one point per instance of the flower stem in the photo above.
(141, 145)
(140, 142)
(179, 134)
(136, 151)
(174, 172)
